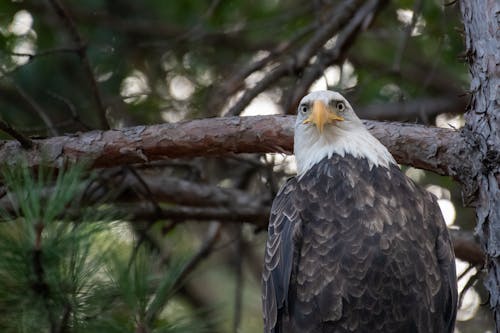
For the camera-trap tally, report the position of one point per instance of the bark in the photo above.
(436, 149)
(482, 38)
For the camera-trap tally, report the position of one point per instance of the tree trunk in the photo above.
(482, 130)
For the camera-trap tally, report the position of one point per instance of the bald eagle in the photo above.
(353, 244)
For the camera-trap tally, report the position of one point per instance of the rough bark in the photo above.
(482, 38)
(436, 149)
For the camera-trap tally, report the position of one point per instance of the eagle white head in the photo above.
(326, 124)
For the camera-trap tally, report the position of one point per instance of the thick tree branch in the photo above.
(436, 149)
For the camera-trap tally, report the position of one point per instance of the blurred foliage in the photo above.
(164, 61)
(61, 273)
(202, 42)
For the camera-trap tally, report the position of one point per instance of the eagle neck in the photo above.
(311, 147)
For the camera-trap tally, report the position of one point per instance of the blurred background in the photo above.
(70, 66)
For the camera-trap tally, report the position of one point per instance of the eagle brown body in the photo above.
(357, 247)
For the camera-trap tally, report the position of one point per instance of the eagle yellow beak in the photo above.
(321, 115)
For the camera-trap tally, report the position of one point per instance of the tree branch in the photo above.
(329, 56)
(258, 216)
(466, 246)
(435, 149)
(184, 192)
(340, 15)
(236, 81)
(165, 189)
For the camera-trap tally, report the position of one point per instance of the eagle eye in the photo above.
(340, 106)
(303, 108)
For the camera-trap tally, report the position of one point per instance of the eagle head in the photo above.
(330, 108)
(327, 124)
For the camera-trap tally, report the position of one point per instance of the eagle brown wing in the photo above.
(357, 248)
(278, 258)
(446, 264)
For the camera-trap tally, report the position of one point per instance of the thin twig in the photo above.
(339, 16)
(238, 292)
(149, 195)
(43, 53)
(406, 34)
(470, 283)
(464, 273)
(72, 109)
(25, 142)
(230, 86)
(32, 56)
(35, 107)
(157, 209)
(332, 55)
(211, 9)
(82, 53)
(204, 250)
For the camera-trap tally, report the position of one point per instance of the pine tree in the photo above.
(63, 267)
